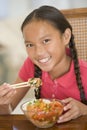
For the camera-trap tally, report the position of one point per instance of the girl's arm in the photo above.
(9, 97)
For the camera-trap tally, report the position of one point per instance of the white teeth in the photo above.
(44, 60)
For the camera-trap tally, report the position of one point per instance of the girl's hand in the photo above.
(6, 94)
(73, 109)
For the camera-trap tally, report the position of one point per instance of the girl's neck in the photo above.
(61, 69)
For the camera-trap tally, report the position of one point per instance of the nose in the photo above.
(40, 50)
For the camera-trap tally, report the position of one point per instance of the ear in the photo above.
(67, 36)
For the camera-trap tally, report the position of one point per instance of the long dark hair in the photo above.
(57, 19)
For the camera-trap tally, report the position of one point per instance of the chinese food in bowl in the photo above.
(43, 112)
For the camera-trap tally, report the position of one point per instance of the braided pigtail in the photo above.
(37, 74)
(77, 69)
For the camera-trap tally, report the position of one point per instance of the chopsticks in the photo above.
(20, 85)
(32, 82)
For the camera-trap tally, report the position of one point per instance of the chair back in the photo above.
(78, 19)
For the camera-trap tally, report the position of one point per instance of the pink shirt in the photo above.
(60, 88)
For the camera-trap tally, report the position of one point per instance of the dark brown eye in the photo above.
(29, 45)
(46, 41)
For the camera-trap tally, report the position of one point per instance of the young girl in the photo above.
(52, 56)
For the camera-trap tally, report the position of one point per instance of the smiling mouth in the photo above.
(45, 60)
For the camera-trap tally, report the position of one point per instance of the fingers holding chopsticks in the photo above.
(5, 89)
(9, 92)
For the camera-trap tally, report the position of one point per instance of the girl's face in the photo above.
(45, 45)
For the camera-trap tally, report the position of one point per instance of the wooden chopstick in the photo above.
(20, 85)
(29, 83)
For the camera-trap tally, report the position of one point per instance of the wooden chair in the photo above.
(78, 19)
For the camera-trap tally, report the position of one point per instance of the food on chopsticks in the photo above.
(35, 82)
(32, 82)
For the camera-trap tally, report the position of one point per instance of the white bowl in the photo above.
(43, 113)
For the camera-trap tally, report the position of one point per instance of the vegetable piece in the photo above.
(35, 82)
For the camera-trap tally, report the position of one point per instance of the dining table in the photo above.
(20, 122)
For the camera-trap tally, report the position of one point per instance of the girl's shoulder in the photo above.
(27, 70)
(28, 61)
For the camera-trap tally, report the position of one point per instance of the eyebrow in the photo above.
(40, 38)
(27, 41)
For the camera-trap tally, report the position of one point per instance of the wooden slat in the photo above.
(77, 12)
